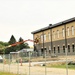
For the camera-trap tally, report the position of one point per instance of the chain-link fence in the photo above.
(32, 63)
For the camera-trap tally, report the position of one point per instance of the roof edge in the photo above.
(54, 25)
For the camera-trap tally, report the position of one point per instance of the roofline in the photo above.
(54, 25)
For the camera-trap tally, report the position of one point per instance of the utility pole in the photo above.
(66, 51)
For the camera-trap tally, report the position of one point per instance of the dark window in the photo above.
(45, 48)
(58, 49)
(49, 51)
(64, 49)
(73, 48)
(42, 51)
(68, 48)
(54, 49)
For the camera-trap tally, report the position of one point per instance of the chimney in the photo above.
(50, 24)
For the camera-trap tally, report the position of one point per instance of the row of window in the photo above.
(58, 34)
(63, 32)
(68, 49)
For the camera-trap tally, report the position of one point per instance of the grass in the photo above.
(62, 66)
(6, 73)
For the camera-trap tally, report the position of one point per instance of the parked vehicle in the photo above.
(1, 59)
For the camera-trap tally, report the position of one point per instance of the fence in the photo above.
(30, 63)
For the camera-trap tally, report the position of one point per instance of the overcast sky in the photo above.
(21, 17)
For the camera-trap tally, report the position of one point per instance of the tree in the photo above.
(17, 47)
(12, 40)
(3, 43)
(23, 45)
(11, 49)
(2, 46)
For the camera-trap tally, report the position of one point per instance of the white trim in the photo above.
(72, 43)
(68, 31)
(54, 46)
(72, 30)
(68, 44)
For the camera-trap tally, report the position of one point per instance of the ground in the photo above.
(34, 69)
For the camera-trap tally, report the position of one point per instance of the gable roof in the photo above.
(54, 25)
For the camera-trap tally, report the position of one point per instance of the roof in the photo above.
(54, 25)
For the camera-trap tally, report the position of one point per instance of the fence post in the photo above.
(18, 64)
(9, 62)
(3, 61)
(29, 63)
(66, 62)
(45, 63)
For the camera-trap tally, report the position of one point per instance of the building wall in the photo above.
(57, 41)
(60, 33)
(70, 28)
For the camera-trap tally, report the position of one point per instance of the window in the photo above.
(49, 36)
(68, 48)
(54, 50)
(72, 30)
(57, 33)
(44, 37)
(58, 49)
(68, 31)
(49, 49)
(45, 48)
(73, 48)
(63, 32)
(63, 49)
(41, 38)
(54, 34)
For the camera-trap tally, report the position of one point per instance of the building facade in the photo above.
(55, 38)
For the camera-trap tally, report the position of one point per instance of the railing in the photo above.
(31, 64)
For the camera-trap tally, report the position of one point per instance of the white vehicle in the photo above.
(1, 59)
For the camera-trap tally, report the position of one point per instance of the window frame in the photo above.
(68, 47)
(58, 49)
(54, 50)
(63, 48)
(68, 31)
(49, 35)
(72, 30)
(63, 32)
(54, 34)
(57, 33)
(73, 47)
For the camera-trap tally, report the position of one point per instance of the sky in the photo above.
(21, 17)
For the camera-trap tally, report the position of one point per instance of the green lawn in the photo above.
(62, 66)
(6, 73)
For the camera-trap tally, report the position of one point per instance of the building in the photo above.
(56, 38)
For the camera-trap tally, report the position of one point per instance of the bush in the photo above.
(71, 63)
(43, 65)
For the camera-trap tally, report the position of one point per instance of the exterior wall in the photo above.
(37, 35)
(70, 28)
(47, 36)
(60, 33)
(41, 33)
(57, 41)
(61, 43)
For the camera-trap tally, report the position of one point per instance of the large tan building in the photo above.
(55, 38)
